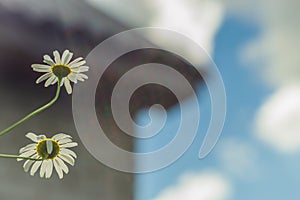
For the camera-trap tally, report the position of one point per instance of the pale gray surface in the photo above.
(23, 41)
(88, 179)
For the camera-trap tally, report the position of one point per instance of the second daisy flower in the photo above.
(61, 68)
(54, 152)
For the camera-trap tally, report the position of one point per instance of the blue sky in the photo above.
(273, 175)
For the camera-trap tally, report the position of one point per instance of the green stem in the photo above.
(21, 157)
(34, 112)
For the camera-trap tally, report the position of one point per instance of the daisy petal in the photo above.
(49, 169)
(58, 169)
(73, 77)
(75, 61)
(41, 70)
(49, 81)
(63, 141)
(35, 167)
(80, 79)
(32, 136)
(66, 57)
(68, 152)
(83, 76)
(80, 69)
(43, 168)
(56, 57)
(60, 136)
(43, 77)
(62, 81)
(28, 163)
(27, 154)
(77, 64)
(67, 159)
(27, 148)
(54, 81)
(69, 145)
(40, 66)
(83, 69)
(49, 146)
(63, 166)
(49, 60)
(68, 86)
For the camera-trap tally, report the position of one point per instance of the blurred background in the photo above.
(255, 45)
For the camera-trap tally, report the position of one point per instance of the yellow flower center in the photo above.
(48, 148)
(61, 70)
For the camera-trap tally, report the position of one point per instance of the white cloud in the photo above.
(278, 50)
(278, 43)
(239, 158)
(196, 19)
(275, 52)
(198, 186)
(130, 13)
(277, 122)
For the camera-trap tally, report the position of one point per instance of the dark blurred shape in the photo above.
(145, 96)
(24, 39)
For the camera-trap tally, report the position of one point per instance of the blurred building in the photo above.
(30, 29)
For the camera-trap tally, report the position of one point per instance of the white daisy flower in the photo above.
(61, 67)
(54, 152)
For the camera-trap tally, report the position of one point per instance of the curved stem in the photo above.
(21, 157)
(34, 112)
